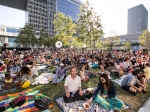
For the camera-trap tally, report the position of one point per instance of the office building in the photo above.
(41, 15)
(137, 19)
(8, 35)
(41, 12)
(69, 8)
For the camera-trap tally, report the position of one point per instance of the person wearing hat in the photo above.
(60, 74)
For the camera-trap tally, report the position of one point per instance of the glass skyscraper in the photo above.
(137, 19)
(69, 7)
(41, 12)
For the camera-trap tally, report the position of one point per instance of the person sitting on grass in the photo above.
(83, 75)
(8, 82)
(14, 69)
(34, 71)
(108, 98)
(142, 78)
(2, 67)
(88, 71)
(60, 74)
(147, 71)
(118, 68)
(25, 75)
(102, 69)
(131, 83)
(72, 87)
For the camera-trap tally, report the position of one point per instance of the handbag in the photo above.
(43, 103)
(18, 101)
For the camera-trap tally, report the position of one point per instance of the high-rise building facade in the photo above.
(137, 19)
(69, 7)
(40, 13)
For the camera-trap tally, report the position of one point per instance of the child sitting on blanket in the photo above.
(25, 75)
(8, 82)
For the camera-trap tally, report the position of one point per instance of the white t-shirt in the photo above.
(14, 70)
(73, 85)
(34, 71)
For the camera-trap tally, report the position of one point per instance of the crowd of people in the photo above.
(132, 66)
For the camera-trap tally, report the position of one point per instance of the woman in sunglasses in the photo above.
(108, 98)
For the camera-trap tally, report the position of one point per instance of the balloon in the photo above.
(26, 84)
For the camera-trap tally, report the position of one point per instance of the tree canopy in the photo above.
(65, 28)
(89, 24)
(145, 39)
(26, 37)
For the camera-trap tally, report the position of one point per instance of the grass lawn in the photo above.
(52, 91)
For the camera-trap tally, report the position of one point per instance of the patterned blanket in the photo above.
(28, 106)
(65, 107)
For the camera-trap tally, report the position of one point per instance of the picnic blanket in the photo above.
(118, 81)
(44, 78)
(40, 67)
(5, 91)
(65, 107)
(28, 106)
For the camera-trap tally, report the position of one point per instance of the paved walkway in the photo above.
(145, 107)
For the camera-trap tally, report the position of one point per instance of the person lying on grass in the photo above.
(8, 82)
(108, 98)
(131, 83)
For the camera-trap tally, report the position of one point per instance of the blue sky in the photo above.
(113, 14)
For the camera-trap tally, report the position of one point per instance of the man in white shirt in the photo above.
(73, 87)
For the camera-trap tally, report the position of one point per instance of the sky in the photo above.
(113, 14)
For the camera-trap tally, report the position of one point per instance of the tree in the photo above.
(99, 44)
(145, 39)
(76, 44)
(127, 45)
(89, 25)
(43, 35)
(113, 40)
(65, 28)
(26, 37)
(49, 42)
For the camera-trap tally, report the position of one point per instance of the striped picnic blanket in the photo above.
(28, 106)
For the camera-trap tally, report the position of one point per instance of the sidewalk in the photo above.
(145, 107)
